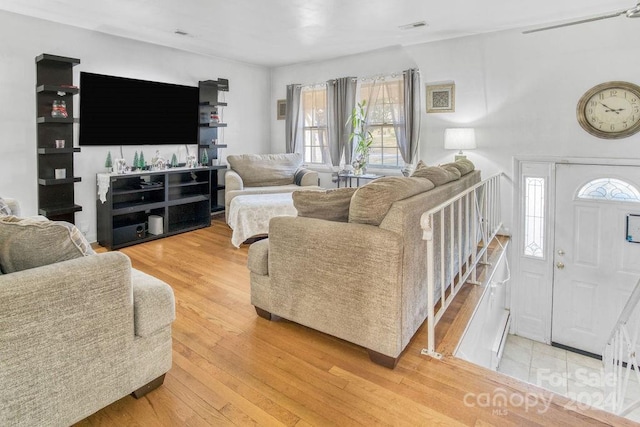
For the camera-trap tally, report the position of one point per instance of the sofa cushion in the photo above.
(4, 208)
(438, 175)
(371, 202)
(453, 171)
(29, 243)
(259, 170)
(465, 166)
(331, 205)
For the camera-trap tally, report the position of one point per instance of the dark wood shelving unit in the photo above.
(54, 82)
(181, 197)
(58, 181)
(213, 125)
(208, 136)
(58, 150)
(59, 210)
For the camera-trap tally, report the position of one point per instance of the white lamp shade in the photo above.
(460, 139)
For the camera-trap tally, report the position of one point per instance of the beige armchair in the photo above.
(77, 335)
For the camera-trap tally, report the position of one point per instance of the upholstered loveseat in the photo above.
(265, 173)
(357, 271)
(78, 333)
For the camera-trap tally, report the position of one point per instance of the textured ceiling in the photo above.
(280, 32)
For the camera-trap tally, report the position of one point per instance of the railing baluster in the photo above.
(622, 345)
(452, 249)
(459, 228)
(472, 213)
(443, 271)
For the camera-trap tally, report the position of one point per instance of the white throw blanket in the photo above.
(249, 215)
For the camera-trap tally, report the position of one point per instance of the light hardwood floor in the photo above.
(231, 367)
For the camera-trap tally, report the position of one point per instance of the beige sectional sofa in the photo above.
(78, 330)
(360, 275)
(265, 173)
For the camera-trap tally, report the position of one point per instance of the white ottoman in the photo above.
(249, 215)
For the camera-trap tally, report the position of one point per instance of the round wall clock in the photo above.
(610, 110)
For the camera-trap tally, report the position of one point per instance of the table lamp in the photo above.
(460, 139)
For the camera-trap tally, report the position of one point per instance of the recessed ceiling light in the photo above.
(181, 33)
(414, 25)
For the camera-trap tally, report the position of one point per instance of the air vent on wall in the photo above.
(413, 25)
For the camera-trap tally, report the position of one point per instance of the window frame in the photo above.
(384, 81)
(314, 128)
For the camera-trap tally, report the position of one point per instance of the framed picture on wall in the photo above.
(282, 108)
(441, 98)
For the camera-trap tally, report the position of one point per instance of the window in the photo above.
(386, 111)
(534, 198)
(314, 124)
(609, 189)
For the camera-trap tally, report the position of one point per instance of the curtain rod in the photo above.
(366, 78)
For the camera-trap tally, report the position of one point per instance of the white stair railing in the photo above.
(619, 356)
(458, 233)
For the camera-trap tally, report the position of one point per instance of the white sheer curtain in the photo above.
(369, 91)
(313, 106)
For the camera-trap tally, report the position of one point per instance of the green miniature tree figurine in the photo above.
(108, 163)
(135, 160)
(204, 160)
(141, 162)
(174, 161)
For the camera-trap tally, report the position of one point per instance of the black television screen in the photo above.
(123, 111)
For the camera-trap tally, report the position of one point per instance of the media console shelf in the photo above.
(179, 196)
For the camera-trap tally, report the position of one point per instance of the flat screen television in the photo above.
(123, 111)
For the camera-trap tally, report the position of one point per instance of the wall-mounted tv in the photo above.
(123, 111)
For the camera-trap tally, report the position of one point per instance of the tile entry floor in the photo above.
(580, 378)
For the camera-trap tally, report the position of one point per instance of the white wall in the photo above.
(25, 38)
(519, 91)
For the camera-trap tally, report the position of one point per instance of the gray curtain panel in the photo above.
(409, 132)
(292, 119)
(341, 98)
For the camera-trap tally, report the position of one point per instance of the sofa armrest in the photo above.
(14, 205)
(336, 277)
(232, 181)
(66, 330)
(308, 178)
(153, 303)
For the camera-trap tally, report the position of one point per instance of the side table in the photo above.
(349, 177)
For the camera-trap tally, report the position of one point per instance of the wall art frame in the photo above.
(281, 109)
(441, 98)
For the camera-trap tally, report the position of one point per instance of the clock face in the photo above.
(610, 110)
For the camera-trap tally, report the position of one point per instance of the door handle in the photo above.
(560, 265)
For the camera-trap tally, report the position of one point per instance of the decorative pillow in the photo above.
(29, 243)
(297, 177)
(465, 166)
(452, 171)
(438, 175)
(332, 205)
(4, 208)
(371, 202)
(261, 170)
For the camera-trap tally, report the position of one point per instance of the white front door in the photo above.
(595, 267)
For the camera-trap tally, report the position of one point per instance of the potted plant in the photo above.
(361, 138)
